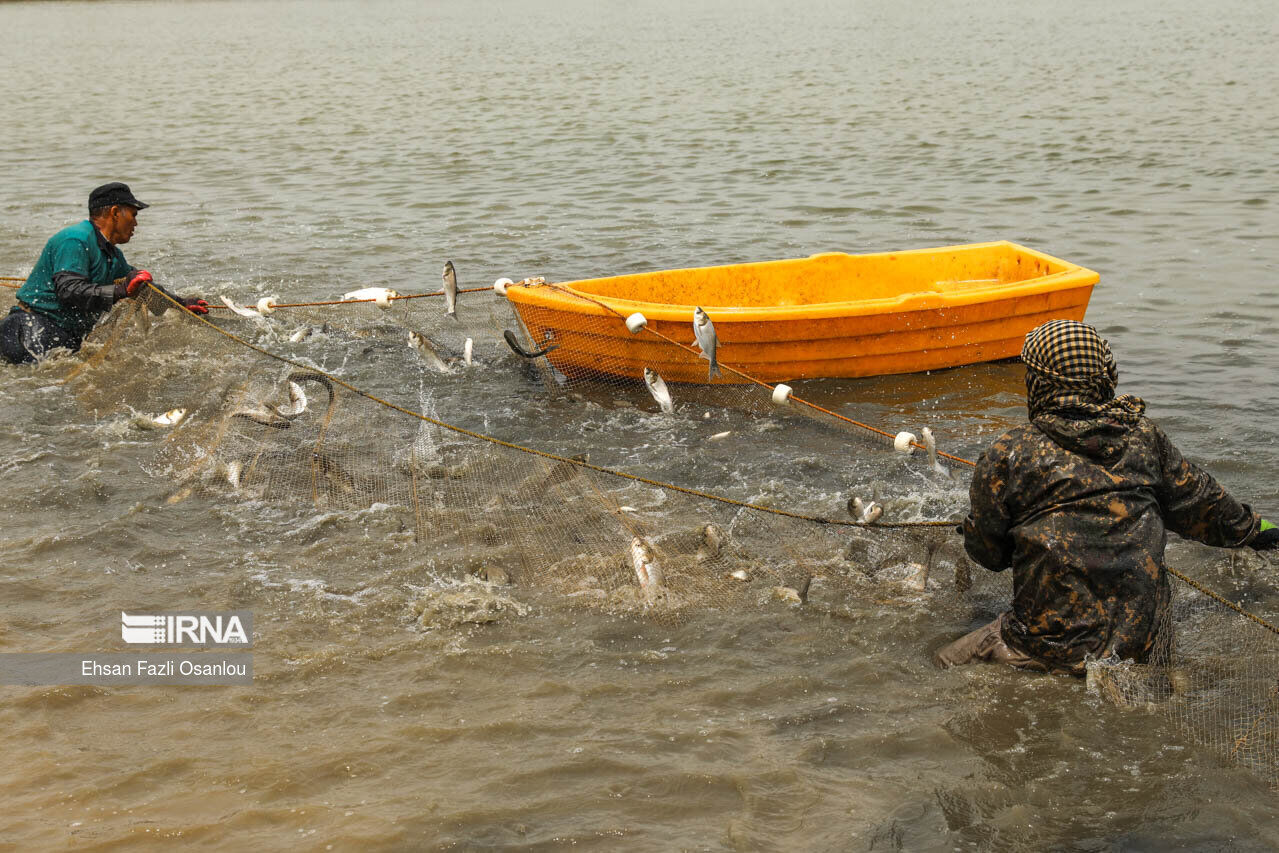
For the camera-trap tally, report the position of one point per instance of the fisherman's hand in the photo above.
(1267, 538)
(195, 305)
(137, 281)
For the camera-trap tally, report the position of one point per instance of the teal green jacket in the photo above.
(73, 281)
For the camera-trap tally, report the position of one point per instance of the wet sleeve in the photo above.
(76, 291)
(1195, 505)
(987, 537)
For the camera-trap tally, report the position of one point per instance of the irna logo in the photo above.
(187, 628)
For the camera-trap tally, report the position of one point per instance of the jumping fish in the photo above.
(514, 343)
(704, 332)
(657, 387)
(381, 295)
(173, 417)
(422, 344)
(918, 579)
(646, 568)
(450, 289)
(930, 444)
(712, 543)
(247, 313)
(866, 513)
(468, 350)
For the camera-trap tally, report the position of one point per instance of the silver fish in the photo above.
(426, 350)
(297, 402)
(173, 417)
(381, 296)
(645, 564)
(468, 350)
(247, 313)
(712, 543)
(918, 579)
(704, 332)
(930, 444)
(657, 387)
(450, 289)
(866, 513)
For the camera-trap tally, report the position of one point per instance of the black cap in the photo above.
(113, 193)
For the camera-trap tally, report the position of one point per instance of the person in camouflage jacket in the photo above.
(1078, 502)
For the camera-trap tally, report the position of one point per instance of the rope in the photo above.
(748, 378)
(542, 453)
(275, 305)
(1193, 584)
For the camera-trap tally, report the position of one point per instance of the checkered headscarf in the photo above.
(1069, 367)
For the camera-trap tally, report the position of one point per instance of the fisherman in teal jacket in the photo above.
(80, 274)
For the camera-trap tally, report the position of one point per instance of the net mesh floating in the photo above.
(578, 512)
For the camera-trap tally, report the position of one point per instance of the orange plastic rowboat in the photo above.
(830, 315)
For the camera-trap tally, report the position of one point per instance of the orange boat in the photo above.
(829, 315)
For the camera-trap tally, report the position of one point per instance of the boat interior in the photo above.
(832, 277)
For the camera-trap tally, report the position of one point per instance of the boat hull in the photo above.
(931, 323)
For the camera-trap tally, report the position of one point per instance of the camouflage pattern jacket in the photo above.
(1079, 509)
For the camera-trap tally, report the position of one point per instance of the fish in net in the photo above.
(351, 405)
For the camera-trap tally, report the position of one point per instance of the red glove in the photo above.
(194, 305)
(140, 279)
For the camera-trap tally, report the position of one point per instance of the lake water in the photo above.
(305, 149)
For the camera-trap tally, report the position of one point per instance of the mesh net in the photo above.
(347, 406)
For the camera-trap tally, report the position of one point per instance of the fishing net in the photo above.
(564, 473)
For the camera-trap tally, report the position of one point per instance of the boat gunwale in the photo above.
(564, 297)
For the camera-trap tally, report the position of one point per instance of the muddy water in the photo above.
(305, 149)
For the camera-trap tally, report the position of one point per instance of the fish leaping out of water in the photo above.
(247, 313)
(866, 513)
(930, 444)
(647, 570)
(514, 343)
(381, 296)
(450, 289)
(704, 333)
(657, 387)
